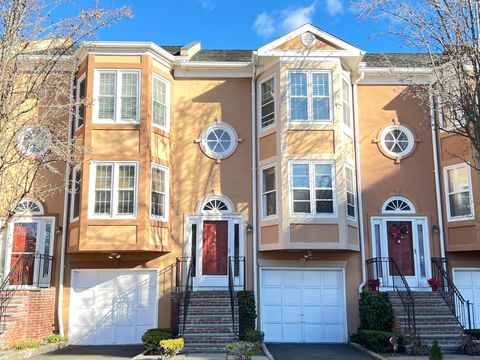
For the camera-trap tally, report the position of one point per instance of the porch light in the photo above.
(114, 256)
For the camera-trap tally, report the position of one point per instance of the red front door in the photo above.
(400, 246)
(215, 248)
(24, 242)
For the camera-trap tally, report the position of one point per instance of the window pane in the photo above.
(324, 194)
(129, 96)
(270, 204)
(321, 109)
(267, 103)
(298, 96)
(76, 194)
(324, 207)
(126, 189)
(81, 107)
(159, 102)
(460, 204)
(301, 207)
(301, 195)
(298, 109)
(106, 96)
(103, 186)
(321, 85)
(158, 192)
(269, 179)
(458, 179)
(298, 84)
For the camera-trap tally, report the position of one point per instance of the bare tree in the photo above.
(446, 32)
(37, 40)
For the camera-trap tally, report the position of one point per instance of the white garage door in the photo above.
(468, 283)
(112, 307)
(303, 306)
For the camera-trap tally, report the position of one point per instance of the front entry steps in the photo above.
(208, 327)
(434, 320)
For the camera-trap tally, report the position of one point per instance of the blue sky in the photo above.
(247, 24)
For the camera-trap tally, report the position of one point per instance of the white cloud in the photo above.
(207, 4)
(334, 7)
(296, 17)
(264, 25)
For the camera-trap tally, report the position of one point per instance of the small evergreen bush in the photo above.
(243, 350)
(152, 337)
(246, 311)
(375, 312)
(170, 347)
(435, 351)
(254, 336)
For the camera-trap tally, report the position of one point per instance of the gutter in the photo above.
(254, 181)
(359, 182)
(436, 162)
(65, 215)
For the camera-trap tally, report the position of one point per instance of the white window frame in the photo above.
(262, 193)
(75, 171)
(349, 167)
(77, 96)
(168, 101)
(113, 209)
(446, 169)
(347, 128)
(259, 101)
(311, 174)
(310, 97)
(117, 108)
(166, 171)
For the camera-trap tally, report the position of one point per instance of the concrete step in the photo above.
(204, 348)
(213, 338)
(203, 329)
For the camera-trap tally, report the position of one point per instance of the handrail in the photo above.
(187, 292)
(386, 270)
(231, 291)
(461, 308)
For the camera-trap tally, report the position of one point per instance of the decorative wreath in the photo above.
(398, 231)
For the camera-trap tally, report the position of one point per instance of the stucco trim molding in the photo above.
(267, 263)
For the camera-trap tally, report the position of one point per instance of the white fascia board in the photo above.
(396, 70)
(211, 72)
(310, 28)
(391, 78)
(313, 53)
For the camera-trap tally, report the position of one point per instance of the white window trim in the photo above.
(259, 102)
(91, 190)
(266, 167)
(167, 192)
(116, 112)
(350, 167)
(411, 141)
(168, 100)
(346, 128)
(75, 171)
(310, 120)
(400, 198)
(313, 214)
(228, 129)
(447, 193)
(77, 97)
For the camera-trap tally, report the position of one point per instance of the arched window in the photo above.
(398, 205)
(29, 207)
(216, 204)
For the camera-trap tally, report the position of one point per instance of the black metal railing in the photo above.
(441, 282)
(28, 270)
(184, 283)
(236, 281)
(389, 276)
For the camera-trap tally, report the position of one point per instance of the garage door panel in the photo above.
(307, 301)
(463, 278)
(468, 283)
(117, 307)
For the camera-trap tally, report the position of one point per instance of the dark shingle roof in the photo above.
(172, 49)
(397, 60)
(223, 55)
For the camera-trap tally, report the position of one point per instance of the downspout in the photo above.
(359, 181)
(65, 213)
(436, 162)
(254, 180)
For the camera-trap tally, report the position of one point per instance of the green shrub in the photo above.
(378, 341)
(243, 350)
(26, 344)
(375, 312)
(169, 348)
(475, 333)
(254, 336)
(247, 312)
(54, 338)
(435, 351)
(152, 337)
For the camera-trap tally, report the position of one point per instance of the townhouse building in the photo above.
(300, 170)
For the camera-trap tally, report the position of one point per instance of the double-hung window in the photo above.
(160, 102)
(81, 92)
(313, 188)
(310, 96)
(350, 190)
(347, 103)
(117, 96)
(159, 193)
(114, 189)
(458, 191)
(267, 102)
(269, 192)
(75, 205)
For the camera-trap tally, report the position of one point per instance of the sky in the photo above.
(244, 24)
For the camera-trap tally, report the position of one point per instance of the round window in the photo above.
(308, 39)
(219, 140)
(397, 141)
(34, 140)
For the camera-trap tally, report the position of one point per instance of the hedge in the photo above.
(375, 312)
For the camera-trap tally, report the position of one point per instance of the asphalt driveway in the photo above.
(117, 352)
(315, 352)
